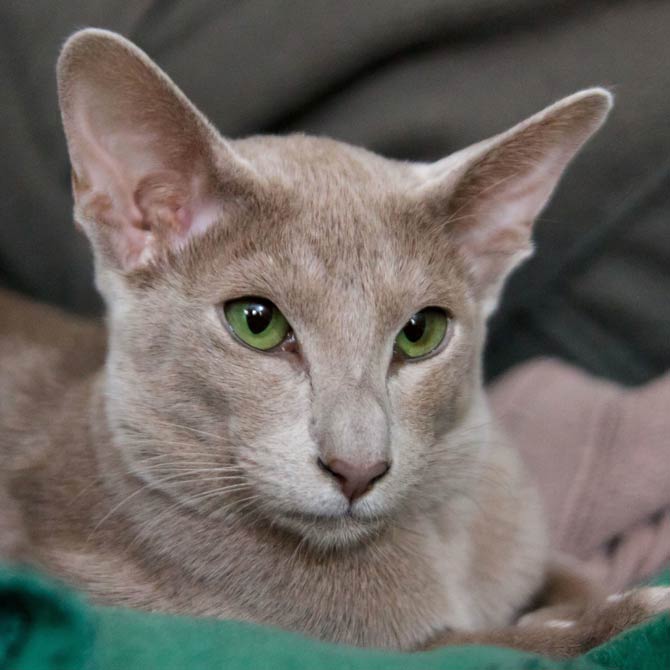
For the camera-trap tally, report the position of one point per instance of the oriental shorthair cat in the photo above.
(282, 419)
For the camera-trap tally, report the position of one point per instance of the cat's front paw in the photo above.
(638, 605)
(616, 614)
(552, 631)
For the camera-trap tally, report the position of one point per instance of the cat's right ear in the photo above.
(487, 196)
(149, 172)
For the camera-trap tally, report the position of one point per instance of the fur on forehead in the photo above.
(337, 213)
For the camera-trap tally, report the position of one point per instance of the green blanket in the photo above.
(44, 626)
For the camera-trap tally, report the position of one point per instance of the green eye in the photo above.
(257, 322)
(423, 333)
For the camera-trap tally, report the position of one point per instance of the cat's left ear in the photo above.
(148, 170)
(489, 194)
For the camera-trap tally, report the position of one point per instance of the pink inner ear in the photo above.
(164, 203)
(500, 216)
(162, 213)
(143, 183)
(145, 209)
(172, 211)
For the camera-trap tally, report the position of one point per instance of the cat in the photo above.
(282, 419)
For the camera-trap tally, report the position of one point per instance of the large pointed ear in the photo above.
(148, 170)
(488, 195)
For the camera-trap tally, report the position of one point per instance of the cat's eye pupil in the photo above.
(256, 322)
(258, 317)
(422, 334)
(416, 327)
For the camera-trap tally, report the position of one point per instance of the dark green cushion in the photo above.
(44, 626)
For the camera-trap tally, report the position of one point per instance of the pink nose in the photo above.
(355, 480)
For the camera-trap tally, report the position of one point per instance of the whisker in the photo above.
(188, 467)
(165, 454)
(185, 503)
(180, 482)
(184, 427)
(114, 509)
(146, 443)
(96, 482)
(127, 499)
(205, 495)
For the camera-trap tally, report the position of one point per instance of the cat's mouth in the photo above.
(330, 530)
(351, 514)
(324, 518)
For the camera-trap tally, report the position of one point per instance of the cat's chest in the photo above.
(391, 593)
(391, 598)
(387, 598)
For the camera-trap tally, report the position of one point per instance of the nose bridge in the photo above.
(348, 375)
(352, 423)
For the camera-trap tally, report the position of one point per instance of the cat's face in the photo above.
(348, 257)
(295, 324)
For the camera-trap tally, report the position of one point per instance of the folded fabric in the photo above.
(44, 626)
(599, 455)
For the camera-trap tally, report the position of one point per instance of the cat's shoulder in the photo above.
(32, 333)
(43, 353)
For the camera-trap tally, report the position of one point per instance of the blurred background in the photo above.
(412, 80)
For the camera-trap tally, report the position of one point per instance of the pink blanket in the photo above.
(601, 456)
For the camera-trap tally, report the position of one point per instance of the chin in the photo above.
(328, 532)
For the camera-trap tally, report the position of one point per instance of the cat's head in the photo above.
(295, 324)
